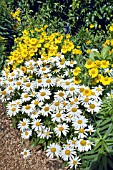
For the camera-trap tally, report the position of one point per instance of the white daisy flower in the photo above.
(18, 84)
(10, 90)
(83, 145)
(24, 124)
(25, 153)
(47, 133)
(28, 109)
(74, 162)
(70, 63)
(60, 95)
(43, 70)
(46, 110)
(25, 97)
(68, 117)
(79, 122)
(56, 105)
(26, 134)
(12, 109)
(36, 103)
(73, 143)
(73, 90)
(53, 150)
(43, 94)
(35, 114)
(74, 111)
(94, 106)
(68, 153)
(98, 90)
(61, 64)
(39, 82)
(41, 132)
(61, 129)
(85, 100)
(47, 82)
(81, 133)
(28, 86)
(30, 62)
(90, 129)
(36, 124)
(58, 116)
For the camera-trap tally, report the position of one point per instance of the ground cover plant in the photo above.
(57, 89)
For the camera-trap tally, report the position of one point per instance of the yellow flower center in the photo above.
(74, 162)
(10, 80)
(26, 96)
(36, 102)
(34, 113)
(44, 68)
(18, 83)
(64, 103)
(67, 152)
(74, 109)
(76, 99)
(61, 128)
(58, 115)
(71, 103)
(48, 81)
(10, 88)
(23, 123)
(86, 99)
(28, 84)
(98, 89)
(46, 109)
(26, 133)
(12, 74)
(25, 153)
(81, 130)
(81, 89)
(13, 109)
(79, 121)
(39, 80)
(69, 116)
(67, 82)
(43, 94)
(92, 106)
(83, 142)
(27, 107)
(73, 142)
(53, 150)
(3, 92)
(61, 94)
(56, 103)
(37, 123)
(72, 89)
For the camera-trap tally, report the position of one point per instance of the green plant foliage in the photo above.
(102, 154)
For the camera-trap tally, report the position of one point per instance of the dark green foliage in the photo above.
(101, 156)
(6, 32)
(74, 13)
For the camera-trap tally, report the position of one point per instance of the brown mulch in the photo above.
(11, 147)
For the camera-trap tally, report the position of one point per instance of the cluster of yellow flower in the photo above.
(99, 70)
(15, 15)
(37, 42)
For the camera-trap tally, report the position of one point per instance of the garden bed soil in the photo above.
(11, 147)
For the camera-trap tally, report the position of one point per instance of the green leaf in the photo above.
(109, 130)
(97, 146)
(104, 52)
(102, 123)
